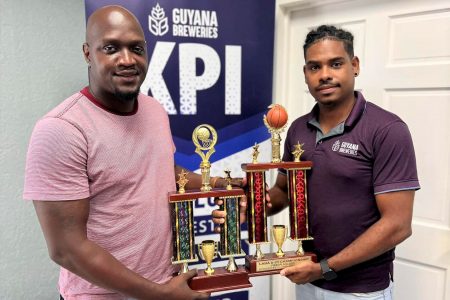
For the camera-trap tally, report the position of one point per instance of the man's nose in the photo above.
(126, 58)
(325, 74)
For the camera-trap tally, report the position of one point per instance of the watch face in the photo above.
(330, 275)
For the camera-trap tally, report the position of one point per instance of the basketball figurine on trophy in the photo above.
(210, 279)
(271, 263)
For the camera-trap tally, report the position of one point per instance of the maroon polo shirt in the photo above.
(370, 153)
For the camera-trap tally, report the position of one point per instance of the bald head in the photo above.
(109, 17)
(116, 53)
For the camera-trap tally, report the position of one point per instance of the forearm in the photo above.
(379, 238)
(96, 265)
(195, 180)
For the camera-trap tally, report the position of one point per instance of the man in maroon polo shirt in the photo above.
(361, 188)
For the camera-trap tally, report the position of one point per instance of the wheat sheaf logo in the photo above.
(336, 146)
(157, 21)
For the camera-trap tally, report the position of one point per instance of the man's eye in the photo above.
(314, 68)
(139, 50)
(109, 49)
(336, 64)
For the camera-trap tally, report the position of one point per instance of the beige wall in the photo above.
(41, 63)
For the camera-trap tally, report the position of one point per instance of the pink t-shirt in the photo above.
(124, 164)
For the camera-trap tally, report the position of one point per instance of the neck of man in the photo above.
(330, 115)
(113, 102)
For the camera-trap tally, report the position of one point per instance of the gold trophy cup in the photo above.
(207, 252)
(279, 235)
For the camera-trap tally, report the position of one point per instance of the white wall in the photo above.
(41, 63)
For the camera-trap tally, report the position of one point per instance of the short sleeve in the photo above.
(394, 166)
(56, 165)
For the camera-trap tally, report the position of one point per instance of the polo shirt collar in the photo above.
(357, 110)
(352, 119)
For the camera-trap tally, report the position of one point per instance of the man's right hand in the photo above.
(218, 216)
(178, 289)
(276, 200)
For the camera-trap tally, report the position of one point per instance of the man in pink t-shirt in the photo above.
(99, 167)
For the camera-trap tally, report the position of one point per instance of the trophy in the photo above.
(271, 263)
(211, 279)
(233, 276)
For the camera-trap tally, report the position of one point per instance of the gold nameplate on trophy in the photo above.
(271, 263)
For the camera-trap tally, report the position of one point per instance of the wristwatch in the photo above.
(327, 272)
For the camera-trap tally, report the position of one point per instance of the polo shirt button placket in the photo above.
(318, 144)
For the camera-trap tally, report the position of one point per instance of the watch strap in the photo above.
(327, 272)
(324, 266)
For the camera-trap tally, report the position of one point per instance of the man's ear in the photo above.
(355, 65)
(86, 53)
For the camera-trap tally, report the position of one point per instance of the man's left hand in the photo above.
(303, 272)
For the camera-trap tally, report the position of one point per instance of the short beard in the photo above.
(127, 97)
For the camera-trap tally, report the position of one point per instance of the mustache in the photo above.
(127, 71)
(326, 85)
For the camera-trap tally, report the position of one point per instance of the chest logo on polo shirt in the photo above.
(345, 147)
(336, 145)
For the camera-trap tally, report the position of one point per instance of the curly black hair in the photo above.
(329, 32)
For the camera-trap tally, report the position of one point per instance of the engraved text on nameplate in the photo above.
(268, 265)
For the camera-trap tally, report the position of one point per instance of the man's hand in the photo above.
(178, 289)
(218, 216)
(303, 272)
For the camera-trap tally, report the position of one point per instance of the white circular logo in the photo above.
(336, 146)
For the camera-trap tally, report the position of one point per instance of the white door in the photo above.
(404, 48)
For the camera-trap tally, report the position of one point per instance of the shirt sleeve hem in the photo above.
(54, 197)
(397, 186)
